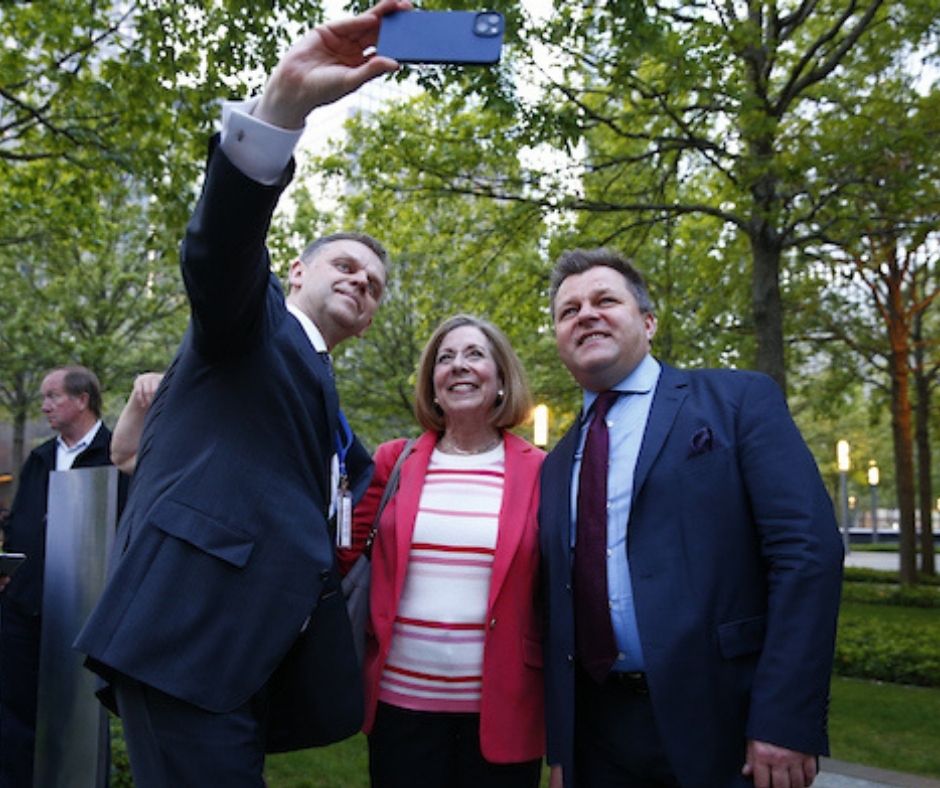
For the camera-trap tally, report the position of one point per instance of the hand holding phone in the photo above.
(454, 37)
(10, 562)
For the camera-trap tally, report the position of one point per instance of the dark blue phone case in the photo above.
(458, 37)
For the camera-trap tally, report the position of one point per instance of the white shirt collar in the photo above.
(65, 455)
(310, 329)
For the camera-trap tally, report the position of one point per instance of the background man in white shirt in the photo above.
(71, 402)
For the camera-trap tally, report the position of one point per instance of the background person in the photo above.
(453, 660)
(71, 403)
(706, 644)
(224, 559)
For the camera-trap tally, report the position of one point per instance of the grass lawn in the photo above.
(880, 547)
(886, 725)
(343, 765)
(889, 726)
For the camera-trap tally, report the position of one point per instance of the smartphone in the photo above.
(10, 562)
(456, 37)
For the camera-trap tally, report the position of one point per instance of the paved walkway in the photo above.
(873, 560)
(839, 774)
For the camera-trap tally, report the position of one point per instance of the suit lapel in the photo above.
(522, 468)
(670, 394)
(555, 517)
(320, 366)
(330, 397)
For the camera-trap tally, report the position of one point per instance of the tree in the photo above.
(661, 111)
(103, 297)
(883, 235)
(103, 104)
(95, 88)
(450, 254)
(751, 116)
(926, 375)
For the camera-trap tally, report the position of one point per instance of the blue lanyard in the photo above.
(343, 442)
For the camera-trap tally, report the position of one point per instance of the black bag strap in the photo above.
(390, 487)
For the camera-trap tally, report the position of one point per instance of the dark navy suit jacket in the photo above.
(224, 547)
(736, 563)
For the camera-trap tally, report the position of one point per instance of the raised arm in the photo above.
(125, 439)
(224, 261)
(328, 63)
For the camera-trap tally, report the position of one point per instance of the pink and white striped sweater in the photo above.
(435, 662)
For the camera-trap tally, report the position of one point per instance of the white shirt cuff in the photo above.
(261, 151)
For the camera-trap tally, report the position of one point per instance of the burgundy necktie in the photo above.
(597, 649)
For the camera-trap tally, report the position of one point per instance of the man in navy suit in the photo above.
(718, 564)
(224, 559)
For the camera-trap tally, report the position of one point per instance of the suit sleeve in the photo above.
(802, 551)
(224, 260)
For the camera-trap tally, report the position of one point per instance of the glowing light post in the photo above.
(540, 426)
(844, 464)
(873, 478)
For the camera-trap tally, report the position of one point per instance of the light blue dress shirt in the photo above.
(626, 423)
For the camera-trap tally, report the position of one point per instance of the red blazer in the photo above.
(511, 706)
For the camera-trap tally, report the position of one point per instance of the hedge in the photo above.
(888, 632)
(885, 651)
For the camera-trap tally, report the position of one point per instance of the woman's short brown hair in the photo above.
(510, 410)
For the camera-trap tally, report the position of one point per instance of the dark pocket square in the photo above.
(701, 442)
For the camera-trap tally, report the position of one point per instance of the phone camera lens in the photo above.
(487, 25)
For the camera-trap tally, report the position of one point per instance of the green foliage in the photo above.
(892, 594)
(858, 574)
(889, 643)
(828, 410)
(452, 252)
(105, 294)
(120, 775)
(888, 632)
(106, 108)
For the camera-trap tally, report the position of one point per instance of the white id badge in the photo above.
(344, 507)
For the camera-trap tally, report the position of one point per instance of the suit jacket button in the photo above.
(492, 623)
(324, 575)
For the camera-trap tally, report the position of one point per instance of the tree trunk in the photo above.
(899, 338)
(924, 460)
(904, 473)
(19, 439)
(767, 306)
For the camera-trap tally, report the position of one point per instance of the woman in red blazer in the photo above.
(453, 665)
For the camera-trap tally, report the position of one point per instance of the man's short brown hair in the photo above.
(577, 261)
(81, 380)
